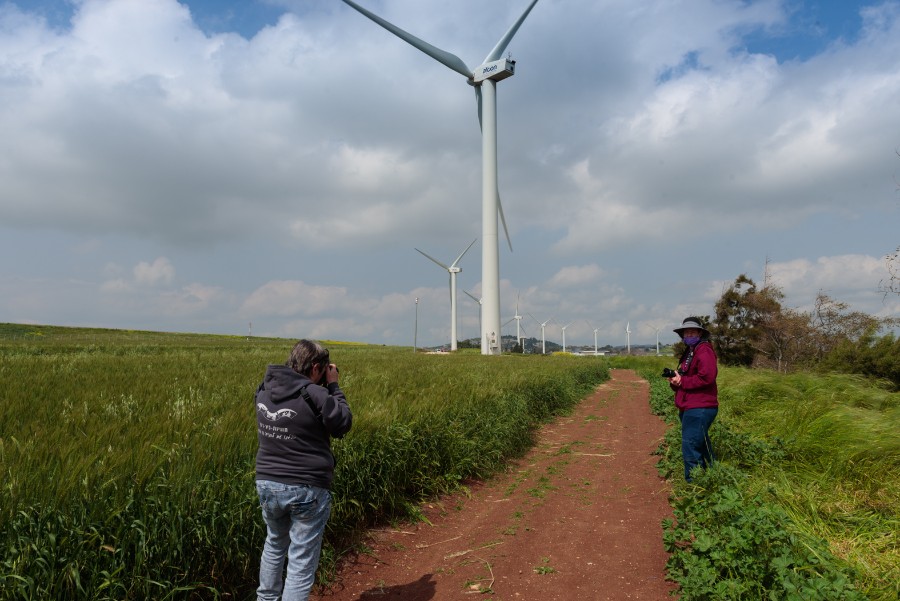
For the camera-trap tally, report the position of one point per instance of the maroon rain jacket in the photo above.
(698, 384)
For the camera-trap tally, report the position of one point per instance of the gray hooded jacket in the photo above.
(295, 435)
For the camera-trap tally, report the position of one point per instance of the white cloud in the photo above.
(294, 297)
(190, 299)
(576, 275)
(131, 133)
(159, 272)
(853, 279)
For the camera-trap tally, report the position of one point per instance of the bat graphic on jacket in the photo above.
(274, 417)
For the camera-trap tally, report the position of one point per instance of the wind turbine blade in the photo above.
(435, 260)
(453, 264)
(503, 221)
(478, 101)
(472, 297)
(509, 322)
(506, 39)
(443, 57)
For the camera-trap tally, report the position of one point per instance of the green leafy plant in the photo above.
(726, 545)
(544, 567)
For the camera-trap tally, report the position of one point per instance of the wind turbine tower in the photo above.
(628, 337)
(484, 79)
(453, 269)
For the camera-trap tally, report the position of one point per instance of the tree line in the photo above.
(752, 327)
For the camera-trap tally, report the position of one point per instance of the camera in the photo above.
(670, 373)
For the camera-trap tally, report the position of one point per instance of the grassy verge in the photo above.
(127, 457)
(804, 502)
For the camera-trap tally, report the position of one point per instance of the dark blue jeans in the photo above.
(696, 448)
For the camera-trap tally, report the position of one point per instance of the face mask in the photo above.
(691, 340)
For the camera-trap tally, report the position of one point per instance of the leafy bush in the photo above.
(727, 545)
(876, 357)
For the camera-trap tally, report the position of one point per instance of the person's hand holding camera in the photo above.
(331, 373)
(673, 376)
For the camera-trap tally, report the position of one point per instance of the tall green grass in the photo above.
(127, 457)
(805, 498)
(840, 478)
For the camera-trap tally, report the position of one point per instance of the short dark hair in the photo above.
(306, 354)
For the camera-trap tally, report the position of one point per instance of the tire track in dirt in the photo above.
(577, 518)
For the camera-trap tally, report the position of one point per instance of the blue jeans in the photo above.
(696, 447)
(295, 517)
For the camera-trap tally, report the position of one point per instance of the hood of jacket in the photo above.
(283, 383)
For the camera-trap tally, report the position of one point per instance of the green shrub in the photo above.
(725, 544)
(875, 357)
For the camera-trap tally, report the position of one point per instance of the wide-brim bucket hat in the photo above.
(691, 322)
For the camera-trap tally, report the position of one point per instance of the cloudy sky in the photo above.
(198, 166)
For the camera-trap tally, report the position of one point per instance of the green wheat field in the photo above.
(127, 457)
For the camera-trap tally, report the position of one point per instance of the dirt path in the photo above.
(578, 518)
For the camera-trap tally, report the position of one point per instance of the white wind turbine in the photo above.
(595, 336)
(543, 338)
(653, 327)
(564, 334)
(519, 331)
(453, 270)
(628, 337)
(484, 78)
(518, 319)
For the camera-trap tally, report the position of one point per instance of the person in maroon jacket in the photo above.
(696, 394)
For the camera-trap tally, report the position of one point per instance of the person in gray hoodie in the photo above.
(299, 408)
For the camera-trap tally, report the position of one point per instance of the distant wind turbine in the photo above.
(519, 330)
(484, 78)
(543, 338)
(653, 327)
(596, 351)
(564, 334)
(628, 337)
(518, 319)
(453, 270)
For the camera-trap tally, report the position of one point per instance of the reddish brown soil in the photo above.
(578, 518)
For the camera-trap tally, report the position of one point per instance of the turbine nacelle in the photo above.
(496, 70)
